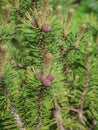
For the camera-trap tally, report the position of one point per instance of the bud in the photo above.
(16, 4)
(38, 75)
(6, 15)
(7, 8)
(34, 23)
(80, 34)
(49, 56)
(51, 10)
(47, 64)
(46, 27)
(84, 26)
(45, 6)
(71, 11)
(46, 82)
(59, 8)
(68, 21)
(4, 48)
(50, 13)
(50, 77)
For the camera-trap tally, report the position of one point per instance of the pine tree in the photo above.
(48, 68)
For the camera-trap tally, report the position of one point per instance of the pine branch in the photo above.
(77, 111)
(40, 100)
(11, 108)
(57, 115)
(76, 44)
(85, 88)
(17, 118)
(86, 82)
(64, 52)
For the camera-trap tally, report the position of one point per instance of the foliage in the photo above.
(48, 67)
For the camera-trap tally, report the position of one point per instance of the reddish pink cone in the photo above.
(38, 75)
(46, 27)
(46, 82)
(50, 77)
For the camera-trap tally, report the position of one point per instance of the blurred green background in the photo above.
(83, 6)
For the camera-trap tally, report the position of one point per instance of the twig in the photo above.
(18, 65)
(85, 88)
(68, 108)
